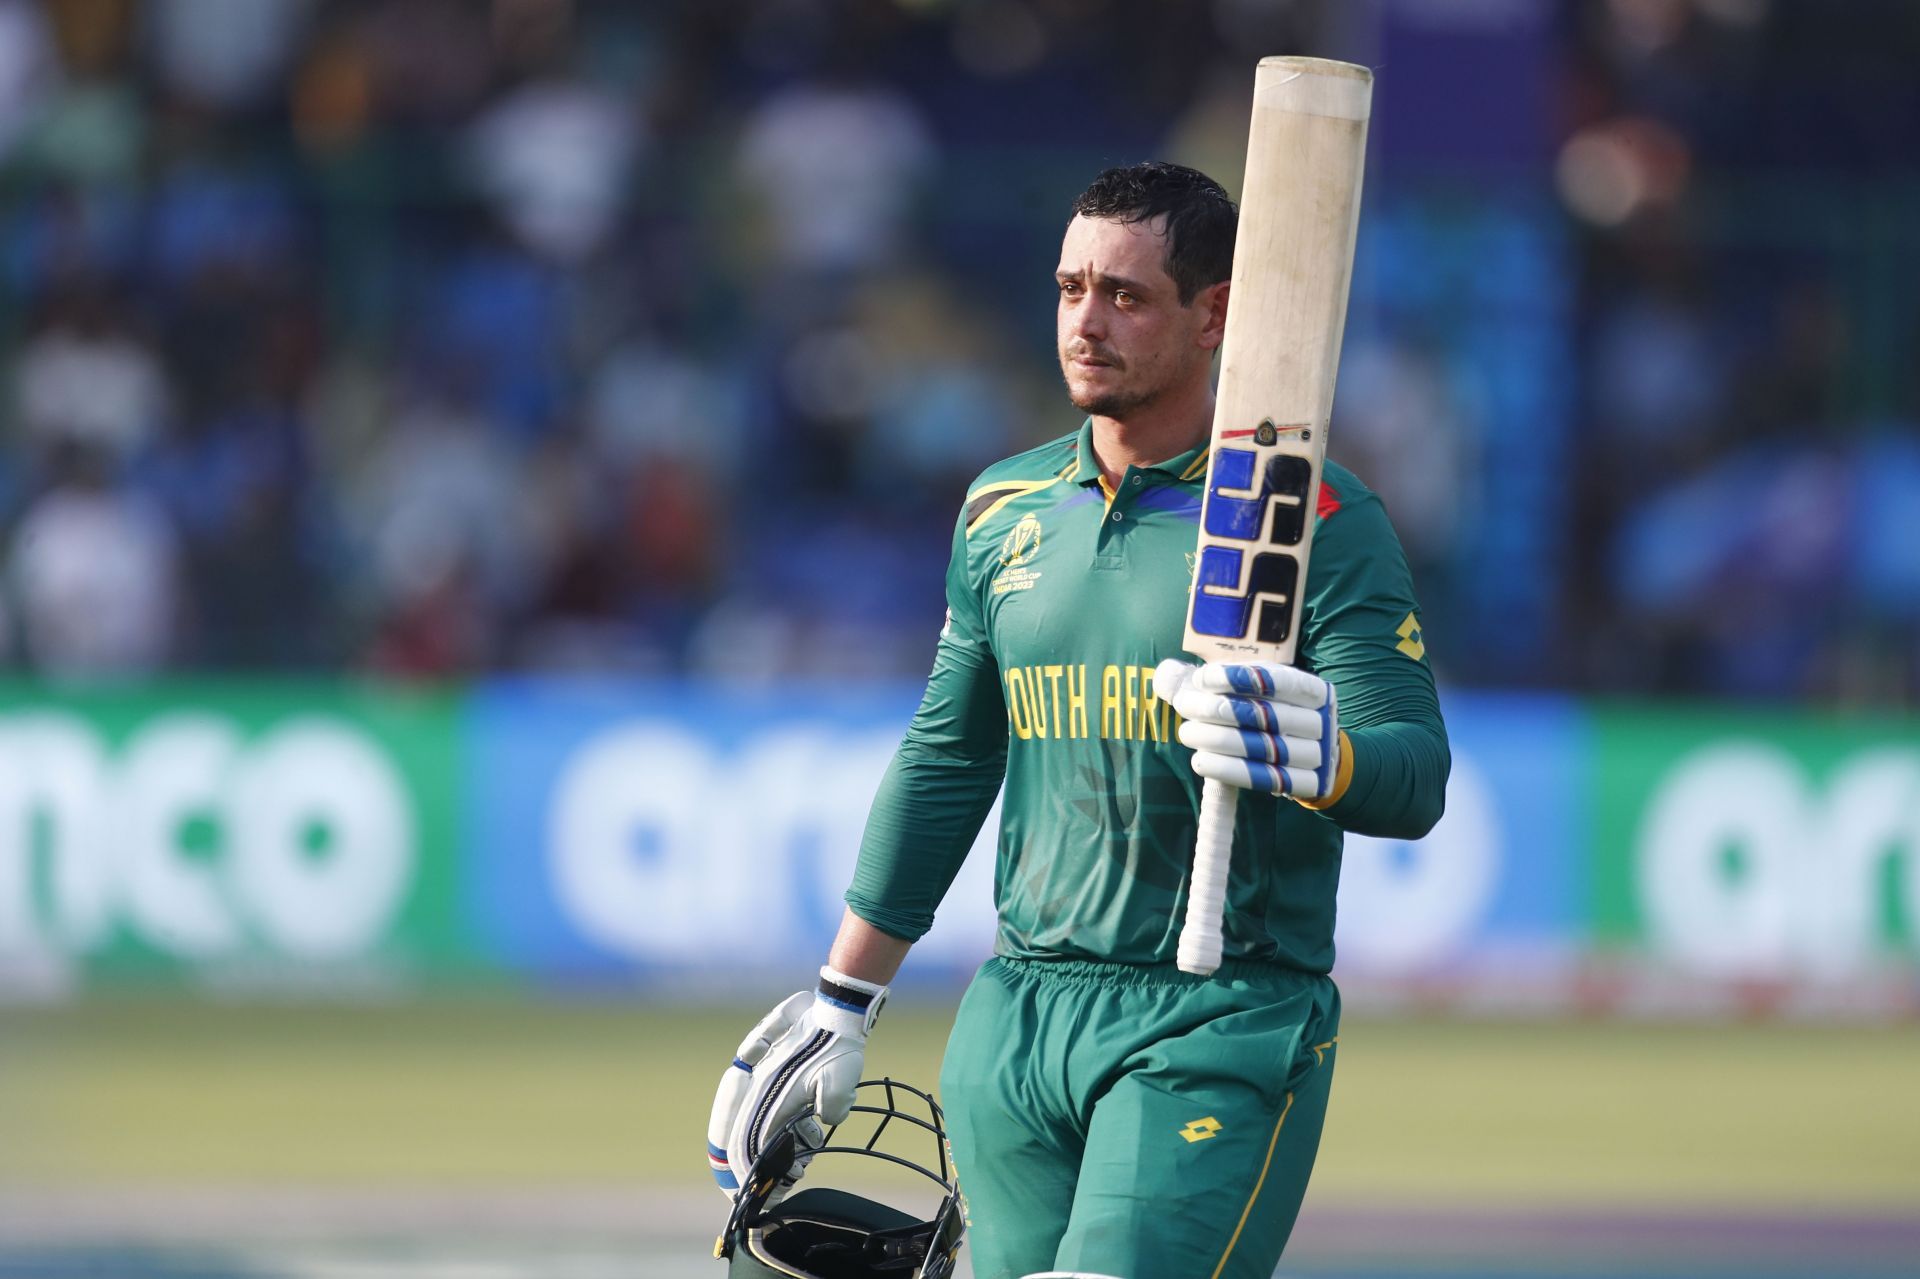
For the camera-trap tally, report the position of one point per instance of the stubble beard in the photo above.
(1116, 402)
(1113, 404)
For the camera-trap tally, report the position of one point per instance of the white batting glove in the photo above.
(808, 1050)
(1257, 725)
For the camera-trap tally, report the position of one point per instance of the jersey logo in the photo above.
(1016, 552)
(1411, 641)
(1023, 543)
(1201, 1129)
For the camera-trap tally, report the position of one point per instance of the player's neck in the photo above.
(1153, 433)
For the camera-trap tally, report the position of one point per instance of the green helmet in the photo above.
(824, 1233)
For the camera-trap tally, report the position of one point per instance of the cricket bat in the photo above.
(1292, 263)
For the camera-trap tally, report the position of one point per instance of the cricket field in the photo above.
(502, 1138)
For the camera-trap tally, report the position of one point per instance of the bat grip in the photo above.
(1199, 951)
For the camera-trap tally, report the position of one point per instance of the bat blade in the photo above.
(1286, 313)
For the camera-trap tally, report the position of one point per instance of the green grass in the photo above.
(514, 1093)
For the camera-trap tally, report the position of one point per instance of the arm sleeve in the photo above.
(944, 777)
(1363, 635)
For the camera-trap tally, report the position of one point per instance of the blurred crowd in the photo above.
(435, 337)
(1746, 176)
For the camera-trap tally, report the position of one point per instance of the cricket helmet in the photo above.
(822, 1232)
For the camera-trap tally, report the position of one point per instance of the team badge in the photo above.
(1023, 543)
(1016, 552)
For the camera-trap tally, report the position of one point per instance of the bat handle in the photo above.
(1199, 951)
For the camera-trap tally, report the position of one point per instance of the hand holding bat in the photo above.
(1256, 726)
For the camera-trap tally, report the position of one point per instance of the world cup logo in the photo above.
(1022, 544)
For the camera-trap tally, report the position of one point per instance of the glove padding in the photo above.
(1257, 725)
(808, 1051)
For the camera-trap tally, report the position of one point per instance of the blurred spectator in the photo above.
(446, 537)
(219, 210)
(833, 165)
(88, 378)
(1884, 531)
(1659, 377)
(224, 54)
(432, 59)
(631, 550)
(236, 474)
(1403, 429)
(237, 485)
(93, 573)
(555, 156)
(670, 546)
(28, 71)
(94, 36)
(577, 618)
(652, 398)
(942, 405)
(494, 322)
(1743, 563)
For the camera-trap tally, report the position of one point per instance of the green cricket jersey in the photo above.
(1061, 601)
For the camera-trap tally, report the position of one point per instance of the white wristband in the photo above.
(847, 1005)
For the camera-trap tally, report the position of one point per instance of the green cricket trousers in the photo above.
(1135, 1121)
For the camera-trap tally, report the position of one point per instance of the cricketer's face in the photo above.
(1125, 339)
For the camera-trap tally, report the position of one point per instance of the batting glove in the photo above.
(1257, 725)
(808, 1051)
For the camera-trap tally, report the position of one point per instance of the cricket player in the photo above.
(1111, 1116)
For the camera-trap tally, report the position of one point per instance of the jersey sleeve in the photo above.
(1362, 634)
(943, 779)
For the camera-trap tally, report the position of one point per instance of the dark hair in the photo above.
(1200, 218)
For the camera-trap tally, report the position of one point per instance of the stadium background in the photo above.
(474, 478)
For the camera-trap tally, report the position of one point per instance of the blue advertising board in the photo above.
(1499, 879)
(701, 834)
(681, 831)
